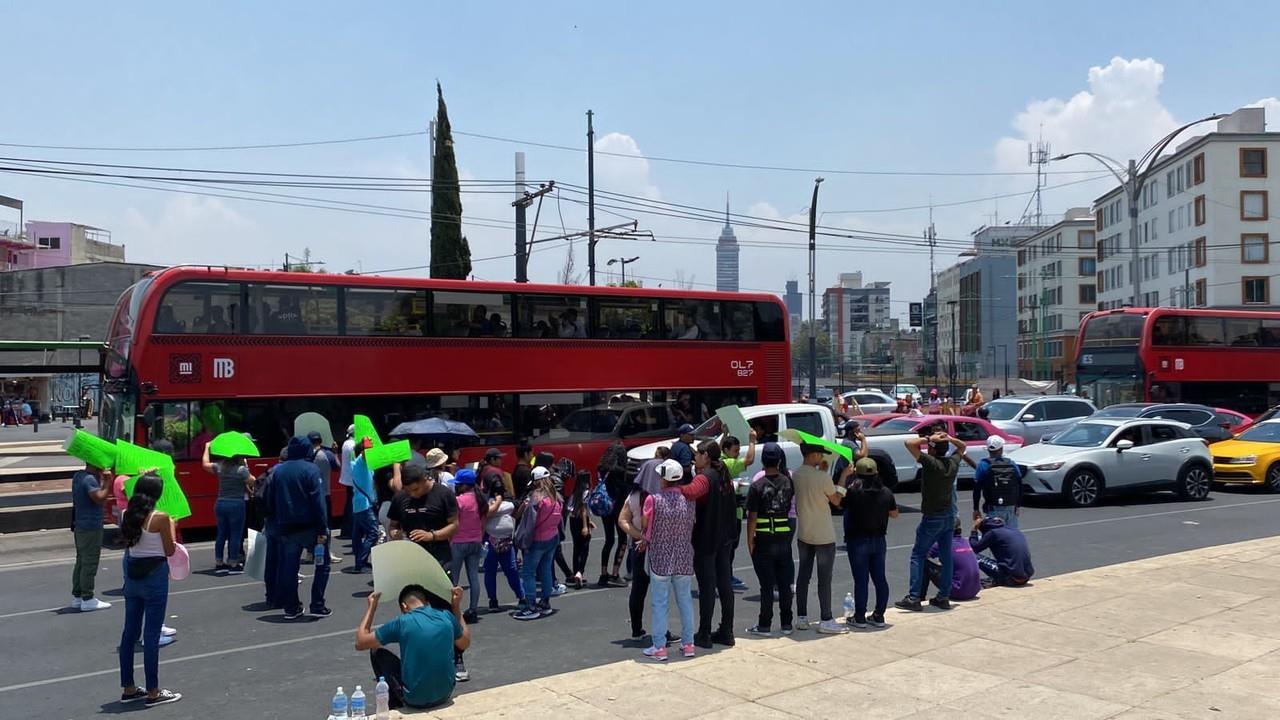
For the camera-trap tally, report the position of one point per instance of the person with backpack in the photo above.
(769, 533)
(499, 530)
(997, 485)
(606, 502)
(580, 527)
(538, 535)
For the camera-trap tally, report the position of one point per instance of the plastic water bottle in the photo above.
(357, 705)
(382, 693)
(320, 553)
(338, 708)
(848, 606)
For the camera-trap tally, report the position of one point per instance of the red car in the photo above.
(869, 421)
(1233, 421)
(886, 440)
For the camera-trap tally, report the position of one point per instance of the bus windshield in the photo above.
(1115, 330)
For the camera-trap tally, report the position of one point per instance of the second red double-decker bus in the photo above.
(1219, 358)
(193, 351)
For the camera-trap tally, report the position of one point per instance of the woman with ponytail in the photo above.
(148, 537)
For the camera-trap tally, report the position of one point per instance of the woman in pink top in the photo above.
(467, 544)
(121, 501)
(545, 501)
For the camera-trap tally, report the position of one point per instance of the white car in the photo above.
(901, 391)
(871, 402)
(1099, 456)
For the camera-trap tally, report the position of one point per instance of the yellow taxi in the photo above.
(1251, 457)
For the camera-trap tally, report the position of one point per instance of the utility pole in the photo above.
(1186, 287)
(522, 247)
(591, 200)
(813, 268)
(952, 371)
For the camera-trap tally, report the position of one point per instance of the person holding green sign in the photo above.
(815, 534)
(90, 490)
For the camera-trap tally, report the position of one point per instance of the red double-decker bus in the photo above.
(192, 351)
(1220, 358)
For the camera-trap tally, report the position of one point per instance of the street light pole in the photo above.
(1132, 183)
(624, 262)
(952, 372)
(813, 267)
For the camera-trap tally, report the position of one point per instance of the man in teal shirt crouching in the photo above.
(428, 629)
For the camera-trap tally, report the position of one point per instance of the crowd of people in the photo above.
(673, 526)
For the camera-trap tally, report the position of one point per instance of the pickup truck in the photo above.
(768, 421)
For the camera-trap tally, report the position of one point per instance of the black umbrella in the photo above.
(436, 428)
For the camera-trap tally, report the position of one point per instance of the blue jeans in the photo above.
(145, 602)
(364, 533)
(932, 529)
(507, 560)
(866, 561)
(660, 588)
(1006, 514)
(538, 560)
(230, 514)
(467, 555)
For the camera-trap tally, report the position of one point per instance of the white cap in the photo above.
(670, 471)
(995, 442)
(540, 472)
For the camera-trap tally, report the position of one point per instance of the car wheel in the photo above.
(1273, 478)
(1083, 488)
(1194, 482)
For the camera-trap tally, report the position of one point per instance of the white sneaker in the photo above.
(93, 604)
(166, 631)
(75, 603)
(802, 623)
(831, 627)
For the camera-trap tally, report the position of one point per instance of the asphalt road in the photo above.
(233, 661)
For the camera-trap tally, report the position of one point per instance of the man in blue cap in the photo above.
(682, 449)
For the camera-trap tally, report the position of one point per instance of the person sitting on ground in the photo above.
(1010, 560)
(966, 580)
(429, 630)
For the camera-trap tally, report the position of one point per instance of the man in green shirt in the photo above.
(937, 515)
(428, 630)
(736, 464)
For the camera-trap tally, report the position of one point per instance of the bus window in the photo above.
(1269, 335)
(770, 325)
(1242, 332)
(1204, 331)
(293, 310)
(468, 314)
(1169, 330)
(196, 307)
(385, 312)
(543, 415)
(626, 318)
(739, 321)
(691, 319)
(548, 316)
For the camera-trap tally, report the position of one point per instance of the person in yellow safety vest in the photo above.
(769, 533)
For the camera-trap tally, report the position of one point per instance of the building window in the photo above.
(1088, 293)
(1254, 248)
(1202, 289)
(1253, 205)
(1197, 169)
(1087, 238)
(1253, 162)
(1199, 205)
(1087, 266)
(1253, 290)
(49, 243)
(1200, 252)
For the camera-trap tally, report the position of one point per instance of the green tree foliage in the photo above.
(800, 351)
(450, 254)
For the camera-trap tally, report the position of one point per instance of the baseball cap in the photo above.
(540, 473)
(685, 429)
(670, 471)
(465, 476)
(995, 442)
(866, 466)
(493, 454)
(314, 436)
(771, 454)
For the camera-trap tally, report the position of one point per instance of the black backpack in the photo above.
(1004, 482)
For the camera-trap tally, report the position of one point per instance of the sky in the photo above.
(897, 106)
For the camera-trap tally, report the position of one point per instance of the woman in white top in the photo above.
(149, 539)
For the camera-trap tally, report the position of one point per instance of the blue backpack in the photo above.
(600, 503)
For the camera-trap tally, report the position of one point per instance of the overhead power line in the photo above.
(206, 148)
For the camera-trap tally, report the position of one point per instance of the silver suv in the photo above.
(1035, 416)
(1109, 455)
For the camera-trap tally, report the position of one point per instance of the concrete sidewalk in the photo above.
(1190, 635)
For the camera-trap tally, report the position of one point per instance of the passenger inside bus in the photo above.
(288, 320)
(167, 322)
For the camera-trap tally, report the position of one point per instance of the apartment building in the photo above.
(851, 310)
(1057, 273)
(1205, 224)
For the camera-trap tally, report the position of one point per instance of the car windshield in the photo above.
(1266, 432)
(1002, 410)
(710, 429)
(1119, 411)
(1085, 434)
(897, 426)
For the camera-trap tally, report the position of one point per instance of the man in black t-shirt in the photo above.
(522, 476)
(426, 512)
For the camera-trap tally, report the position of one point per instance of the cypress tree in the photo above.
(450, 254)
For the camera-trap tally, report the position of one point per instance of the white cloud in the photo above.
(623, 174)
(191, 229)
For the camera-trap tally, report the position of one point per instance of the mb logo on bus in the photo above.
(224, 368)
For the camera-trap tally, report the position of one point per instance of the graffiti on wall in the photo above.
(65, 389)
